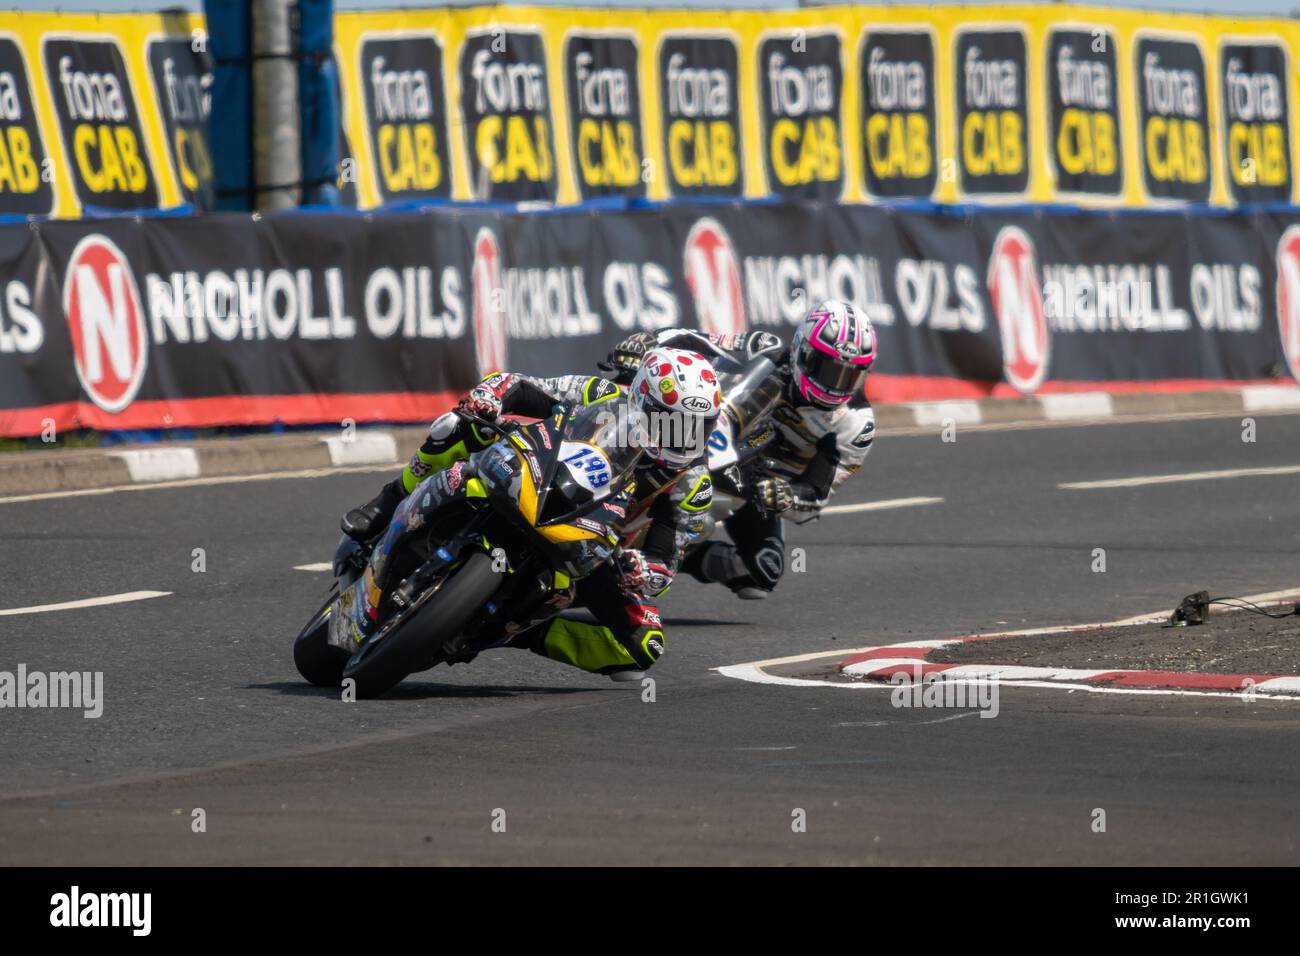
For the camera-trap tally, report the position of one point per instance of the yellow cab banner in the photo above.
(102, 113)
(993, 104)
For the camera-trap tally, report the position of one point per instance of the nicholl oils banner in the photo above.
(989, 104)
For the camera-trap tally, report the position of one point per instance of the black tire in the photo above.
(384, 665)
(318, 661)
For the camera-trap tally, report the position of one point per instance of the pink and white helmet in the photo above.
(678, 400)
(832, 351)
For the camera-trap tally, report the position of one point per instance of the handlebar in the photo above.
(502, 425)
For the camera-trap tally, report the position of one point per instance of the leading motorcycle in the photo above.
(476, 553)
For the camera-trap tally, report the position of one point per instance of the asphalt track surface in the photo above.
(204, 709)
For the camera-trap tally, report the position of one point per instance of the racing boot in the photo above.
(719, 562)
(363, 523)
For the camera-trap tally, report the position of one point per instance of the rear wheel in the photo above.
(317, 660)
(382, 665)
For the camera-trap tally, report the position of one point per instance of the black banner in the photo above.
(992, 111)
(1083, 90)
(26, 174)
(505, 102)
(304, 317)
(1253, 80)
(182, 77)
(99, 120)
(800, 81)
(898, 111)
(406, 115)
(699, 93)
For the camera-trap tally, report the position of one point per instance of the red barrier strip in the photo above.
(420, 407)
(887, 389)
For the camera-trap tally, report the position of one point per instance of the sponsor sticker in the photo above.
(898, 113)
(992, 111)
(506, 110)
(105, 323)
(1018, 303)
(182, 81)
(605, 115)
(699, 95)
(26, 174)
(713, 276)
(800, 79)
(1174, 121)
(1253, 80)
(1086, 146)
(406, 116)
(99, 120)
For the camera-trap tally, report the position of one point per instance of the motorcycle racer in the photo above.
(821, 436)
(671, 406)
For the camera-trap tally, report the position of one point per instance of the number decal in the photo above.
(587, 464)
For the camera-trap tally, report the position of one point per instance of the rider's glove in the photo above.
(483, 402)
(772, 495)
(638, 574)
(627, 355)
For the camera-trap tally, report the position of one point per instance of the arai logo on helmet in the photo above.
(490, 335)
(1018, 303)
(1288, 297)
(713, 276)
(110, 345)
(696, 404)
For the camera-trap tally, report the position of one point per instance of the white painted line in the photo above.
(1279, 683)
(753, 674)
(885, 505)
(1072, 405)
(1256, 398)
(362, 448)
(1003, 672)
(318, 566)
(939, 413)
(1142, 480)
(88, 602)
(197, 483)
(159, 464)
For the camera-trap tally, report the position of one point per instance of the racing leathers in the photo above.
(813, 450)
(628, 636)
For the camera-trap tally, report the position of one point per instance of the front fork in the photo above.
(360, 597)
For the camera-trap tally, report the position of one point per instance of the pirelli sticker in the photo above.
(800, 78)
(992, 111)
(604, 97)
(99, 120)
(1174, 121)
(182, 80)
(699, 95)
(26, 178)
(1082, 93)
(506, 108)
(898, 113)
(1253, 79)
(406, 116)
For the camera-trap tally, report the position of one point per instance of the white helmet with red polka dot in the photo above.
(676, 399)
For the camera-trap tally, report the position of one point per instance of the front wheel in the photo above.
(317, 660)
(382, 665)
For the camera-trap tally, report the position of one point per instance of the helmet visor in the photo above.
(676, 437)
(831, 374)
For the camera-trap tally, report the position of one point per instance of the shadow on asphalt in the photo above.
(704, 622)
(423, 691)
